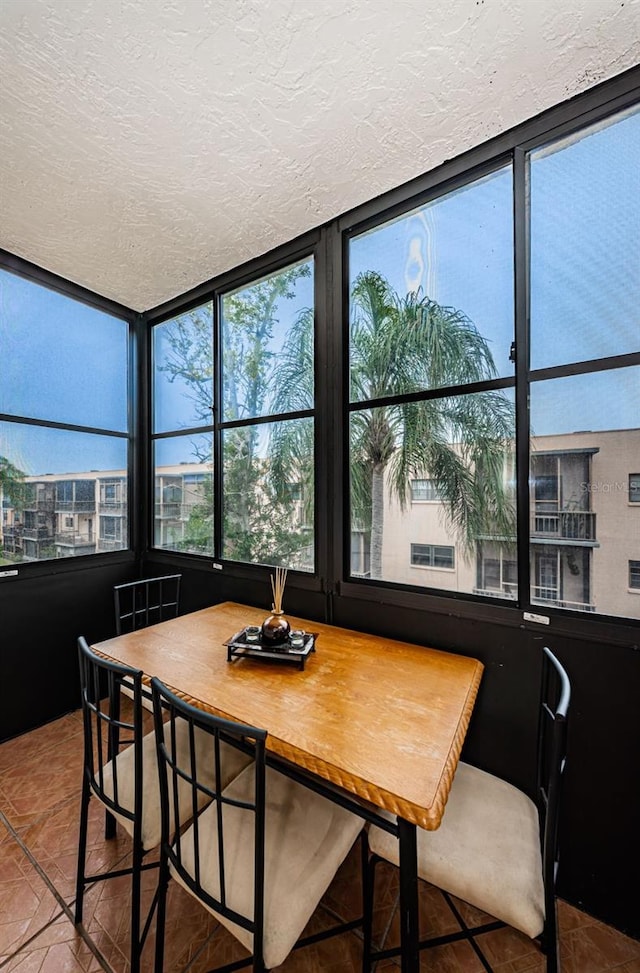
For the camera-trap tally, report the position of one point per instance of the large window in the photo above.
(259, 421)
(63, 423)
(585, 427)
(182, 347)
(431, 307)
(268, 369)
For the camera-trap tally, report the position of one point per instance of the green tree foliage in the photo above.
(403, 345)
(261, 522)
(12, 485)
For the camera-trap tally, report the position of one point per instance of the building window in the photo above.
(424, 490)
(64, 426)
(634, 574)
(432, 556)
(497, 572)
(634, 488)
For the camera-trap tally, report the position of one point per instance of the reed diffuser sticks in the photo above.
(277, 587)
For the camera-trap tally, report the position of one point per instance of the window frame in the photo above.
(311, 246)
(135, 337)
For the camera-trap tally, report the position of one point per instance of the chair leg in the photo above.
(82, 848)
(368, 884)
(161, 912)
(549, 941)
(136, 881)
(369, 878)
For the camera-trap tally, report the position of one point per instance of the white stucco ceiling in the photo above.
(148, 145)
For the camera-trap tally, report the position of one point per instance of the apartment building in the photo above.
(584, 531)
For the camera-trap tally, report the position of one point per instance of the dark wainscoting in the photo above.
(42, 617)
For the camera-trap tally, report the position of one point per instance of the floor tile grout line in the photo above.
(14, 831)
(66, 909)
(31, 939)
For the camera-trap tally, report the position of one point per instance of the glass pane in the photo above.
(183, 498)
(584, 525)
(432, 294)
(585, 244)
(267, 345)
(62, 494)
(268, 494)
(463, 446)
(61, 360)
(183, 370)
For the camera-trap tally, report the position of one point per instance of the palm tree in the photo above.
(403, 345)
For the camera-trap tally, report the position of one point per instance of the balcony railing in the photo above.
(110, 545)
(76, 506)
(36, 533)
(541, 595)
(113, 507)
(509, 591)
(579, 525)
(173, 511)
(75, 540)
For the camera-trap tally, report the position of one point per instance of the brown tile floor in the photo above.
(39, 784)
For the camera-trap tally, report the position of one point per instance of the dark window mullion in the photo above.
(522, 304)
(217, 427)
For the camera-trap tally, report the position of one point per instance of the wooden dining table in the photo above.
(375, 720)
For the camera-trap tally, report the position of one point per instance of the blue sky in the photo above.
(54, 352)
(585, 269)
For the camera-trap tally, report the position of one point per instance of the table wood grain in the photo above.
(382, 719)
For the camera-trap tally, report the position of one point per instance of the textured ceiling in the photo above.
(148, 145)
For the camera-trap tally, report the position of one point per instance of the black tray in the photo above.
(238, 648)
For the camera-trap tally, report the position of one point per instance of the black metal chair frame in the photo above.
(251, 740)
(555, 697)
(145, 602)
(101, 679)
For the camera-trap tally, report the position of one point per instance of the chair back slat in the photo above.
(179, 844)
(146, 602)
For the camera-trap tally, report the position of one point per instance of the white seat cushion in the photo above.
(485, 852)
(306, 839)
(232, 761)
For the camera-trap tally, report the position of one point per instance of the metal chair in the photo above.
(496, 849)
(126, 781)
(146, 602)
(261, 854)
(139, 604)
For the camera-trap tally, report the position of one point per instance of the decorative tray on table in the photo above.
(295, 654)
